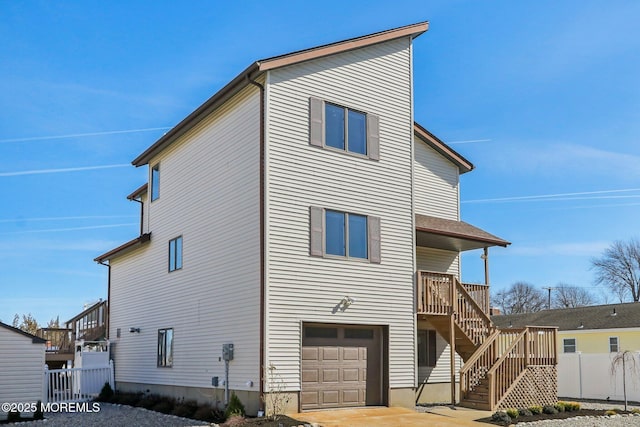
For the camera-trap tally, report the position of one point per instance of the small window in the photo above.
(346, 234)
(165, 348)
(155, 182)
(426, 348)
(175, 254)
(320, 332)
(357, 333)
(569, 345)
(613, 344)
(343, 129)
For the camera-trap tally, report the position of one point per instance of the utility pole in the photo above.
(549, 298)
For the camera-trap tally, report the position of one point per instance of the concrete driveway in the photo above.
(390, 417)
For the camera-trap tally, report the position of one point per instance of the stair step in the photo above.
(475, 404)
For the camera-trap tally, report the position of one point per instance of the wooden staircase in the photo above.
(496, 362)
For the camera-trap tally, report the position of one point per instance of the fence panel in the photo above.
(76, 384)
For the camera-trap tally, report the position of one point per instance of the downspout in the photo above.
(108, 320)
(262, 240)
(141, 214)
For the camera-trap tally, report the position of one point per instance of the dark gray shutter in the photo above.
(374, 239)
(315, 122)
(316, 233)
(373, 137)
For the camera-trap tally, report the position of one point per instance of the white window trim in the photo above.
(346, 236)
(564, 345)
(617, 345)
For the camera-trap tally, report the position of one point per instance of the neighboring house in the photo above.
(589, 339)
(299, 214)
(21, 366)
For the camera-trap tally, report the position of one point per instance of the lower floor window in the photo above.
(613, 344)
(569, 345)
(426, 348)
(165, 347)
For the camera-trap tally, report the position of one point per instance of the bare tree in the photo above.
(521, 297)
(567, 296)
(619, 269)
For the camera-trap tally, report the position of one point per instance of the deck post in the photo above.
(452, 344)
(485, 257)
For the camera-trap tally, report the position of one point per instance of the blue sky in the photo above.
(551, 89)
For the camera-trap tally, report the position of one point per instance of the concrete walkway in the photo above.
(390, 417)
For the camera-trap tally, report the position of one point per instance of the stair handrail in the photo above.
(471, 363)
(494, 397)
(484, 317)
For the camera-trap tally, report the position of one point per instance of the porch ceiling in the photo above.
(433, 232)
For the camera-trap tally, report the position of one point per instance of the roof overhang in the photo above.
(124, 248)
(34, 339)
(453, 235)
(254, 70)
(138, 192)
(449, 153)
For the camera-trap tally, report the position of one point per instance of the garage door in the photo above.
(341, 366)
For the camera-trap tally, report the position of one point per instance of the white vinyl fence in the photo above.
(590, 376)
(76, 384)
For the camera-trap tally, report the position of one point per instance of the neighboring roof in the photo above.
(569, 319)
(453, 235)
(463, 164)
(34, 339)
(138, 192)
(131, 244)
(252, 71)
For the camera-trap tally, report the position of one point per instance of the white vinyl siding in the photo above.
(438, 260)
(377, 80)
(436, 183)
(441, 373)
(21, 368)
(211, 197)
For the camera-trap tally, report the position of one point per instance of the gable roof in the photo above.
(138, 192)
(134, 243)
(34, 339)
(254, 70)
(449, 153)
(568, 319)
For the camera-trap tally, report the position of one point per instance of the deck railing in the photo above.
(59, 340)
(531, 346)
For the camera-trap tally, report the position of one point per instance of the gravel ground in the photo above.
(613, 421)
(112, 416)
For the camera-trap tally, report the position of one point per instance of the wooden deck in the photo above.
(500, 366)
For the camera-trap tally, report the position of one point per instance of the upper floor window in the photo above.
(613, 344)
(569, 345)
(165, 347)
(344, 129)
(343, 234)
(155, 182)
(175, 254)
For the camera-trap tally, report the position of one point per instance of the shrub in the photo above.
(234, 421)
(13, 416)
(635, 411)
(185, 409)
(535, 409)
(130, 399)
(560, 406)
(234, 407)
(549, 409)
(38, 415)
(513, 413)
(209, 413)
(165, 405)
(571, 406)
(501, 417)
(149, 401)
(524, 412)
(106, 394)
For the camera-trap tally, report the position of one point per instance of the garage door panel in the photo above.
(334, 372)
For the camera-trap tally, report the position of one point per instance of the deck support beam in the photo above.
(452, 344)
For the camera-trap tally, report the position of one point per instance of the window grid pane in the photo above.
(178, 253)
(334, 126)
(357, 133)
(172, 255)
(569, 345)
(335, 233)
(357, 236)
(613, 344)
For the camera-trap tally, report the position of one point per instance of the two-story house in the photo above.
(302, 215)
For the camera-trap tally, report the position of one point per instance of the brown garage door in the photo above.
(341, 366)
